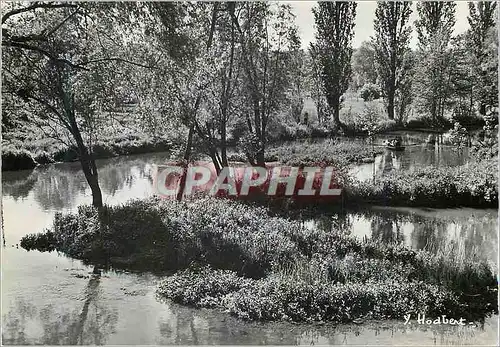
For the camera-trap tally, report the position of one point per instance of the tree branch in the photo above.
(81, 65)
(41, 51)
(53, 30)
(34, 7)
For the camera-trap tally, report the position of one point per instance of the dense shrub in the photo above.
(44, 158)
(426, 122)
(202, 287)
(473, 184)
(370, 92)
(386, 125)
(43, 242)
(168, 235)
(17, 160)
(296, 131)
(280, 297)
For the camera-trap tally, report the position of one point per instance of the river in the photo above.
(48, 298)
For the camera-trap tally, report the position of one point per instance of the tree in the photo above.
(404, 92)
(268, 39)
(432, 79)
(462, 78)
(297, 74)
(41, 75)
(335, 31)
(315, 84)
(483, 39)
(391, 44)
(195, 78)
(363, 65)
(58, 69)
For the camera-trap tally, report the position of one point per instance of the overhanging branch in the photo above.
(43, 52)
(34, 7)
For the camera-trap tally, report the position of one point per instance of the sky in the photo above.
(365, 13)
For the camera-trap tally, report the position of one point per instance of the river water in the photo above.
(48, 298)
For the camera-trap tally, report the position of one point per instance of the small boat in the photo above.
(395, 148)
(393, 145)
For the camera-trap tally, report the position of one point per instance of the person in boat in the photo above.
(396, 142)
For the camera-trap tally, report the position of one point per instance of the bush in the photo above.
(425, 122)
(385, 125)
(329, 152)
(339, 278)
(473, 185)
(44, 158)
(376, 289)
(201, 287)
(44, 242)
(462, 115)
(17, 160)
(370, 92)
(170, 235)
(281, 299)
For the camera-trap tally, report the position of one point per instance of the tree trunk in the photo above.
(260, 158)
(187, 156)
(390, 104)
(334, 105)
(189, 144)
(482, 109)
(223, 146)
(90, 172)
(88, 164)
(433, 110)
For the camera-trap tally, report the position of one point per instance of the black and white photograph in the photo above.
(249, 173)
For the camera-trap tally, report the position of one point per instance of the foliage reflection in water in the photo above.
(44, 303)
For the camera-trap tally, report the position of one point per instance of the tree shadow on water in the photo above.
(92, 324)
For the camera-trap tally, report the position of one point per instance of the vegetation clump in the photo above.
(241, 259)
(330, 152)
(369, 92)
(473, 185)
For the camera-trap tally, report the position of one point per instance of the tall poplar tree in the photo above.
(335, 31)
(391, 43)
(434, 29)
(482, 36)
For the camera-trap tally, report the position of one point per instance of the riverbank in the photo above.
(470, 185)
(302, 151)
(17, 155)
(257, 266)
(303, 148)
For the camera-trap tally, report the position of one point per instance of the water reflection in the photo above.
(62, 186)
(69, 306)
(417, 153)
(50, 299)
(464, 232)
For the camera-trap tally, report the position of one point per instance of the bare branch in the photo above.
(81, 65)
(53, 30)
